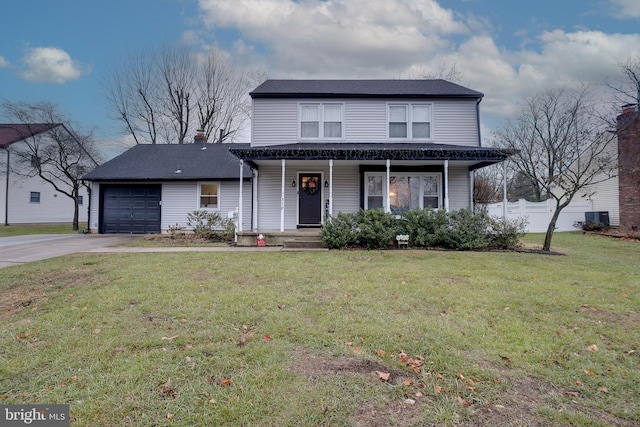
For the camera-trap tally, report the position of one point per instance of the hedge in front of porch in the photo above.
(457, 230)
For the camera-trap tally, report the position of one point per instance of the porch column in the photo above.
(446, 185)
(472, 186)
(254, 199)
(504, 190)
(240, 195)
(387, 207)
(330, 188)
(282, 198)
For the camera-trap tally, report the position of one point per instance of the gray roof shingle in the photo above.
(436, 88)
(159, 162)
(11, 133)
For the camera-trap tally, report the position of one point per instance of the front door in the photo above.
(310, 200)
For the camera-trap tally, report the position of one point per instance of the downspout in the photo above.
(6, 193)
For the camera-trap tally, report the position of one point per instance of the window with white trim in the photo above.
(407, 191)
(409, 121)
(209, 195)
(320, 120)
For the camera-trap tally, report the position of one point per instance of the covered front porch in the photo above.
(300, 186)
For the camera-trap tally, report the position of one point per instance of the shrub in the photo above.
(421, 226)
(210, 225)
(340, 231)
(506, 233)
(459, 230)
(377, 229)
(464, 231)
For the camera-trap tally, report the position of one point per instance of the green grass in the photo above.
(24, 229)
(503, 338)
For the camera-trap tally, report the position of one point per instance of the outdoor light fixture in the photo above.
(293, 183)
(326, 184)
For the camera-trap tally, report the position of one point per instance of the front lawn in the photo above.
(336, 338)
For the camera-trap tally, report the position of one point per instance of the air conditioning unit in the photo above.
(597, 219)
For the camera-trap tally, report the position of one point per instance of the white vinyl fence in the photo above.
(538, 214)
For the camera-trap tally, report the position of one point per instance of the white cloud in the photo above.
(401, 38)
(625, 9)
(328, 37)
(50, 65)
(3, 62)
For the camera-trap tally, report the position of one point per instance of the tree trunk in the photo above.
(552, 226)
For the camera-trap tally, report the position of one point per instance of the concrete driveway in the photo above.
(21, 249)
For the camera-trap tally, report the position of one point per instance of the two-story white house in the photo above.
(319, 147)
(26, 198)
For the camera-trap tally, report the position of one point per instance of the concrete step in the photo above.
(307, 243)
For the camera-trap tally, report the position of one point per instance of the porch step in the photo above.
(308, 242)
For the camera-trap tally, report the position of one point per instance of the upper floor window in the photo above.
(321, 120)
(410, 121)
(209, 195)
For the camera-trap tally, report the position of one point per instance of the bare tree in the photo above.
(627, 89)
(487, 185)
(561, 146)
(59, 156)
(166, 95)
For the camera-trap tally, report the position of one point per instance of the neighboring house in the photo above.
(319, 147)
(151, 188)
(26, 200)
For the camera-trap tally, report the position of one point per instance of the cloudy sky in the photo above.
(61, 51)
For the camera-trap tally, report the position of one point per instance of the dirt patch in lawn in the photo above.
(316, 365)
(369, 414)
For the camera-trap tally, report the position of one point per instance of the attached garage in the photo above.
(151, 188)
(130, 209)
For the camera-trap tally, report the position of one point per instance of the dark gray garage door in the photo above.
(131, 209)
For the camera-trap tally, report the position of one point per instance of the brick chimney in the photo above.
(200, 137)
(629, 166)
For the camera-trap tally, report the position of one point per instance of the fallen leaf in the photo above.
(407, 382)
(121, 348)
(437, 389)
(170, 338)
(463, 401)
(226, 383)
(590, 373)
(96, 331)
(578, 382)
(349, 344)
(506, 309)
(461, 376)
(357, 350)
(418, 394)
(410, 401)
(380, 353)
(169, 416)
(384, 376)
(603, 390)
(470, 388)
(592, 347)
(505, 358)
(212, 401)
(573, 393)
(266, 338)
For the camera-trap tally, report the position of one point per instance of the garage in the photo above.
(130, 209)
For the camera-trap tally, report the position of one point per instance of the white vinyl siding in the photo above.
(54, 207)
(459, 188)
(276, 121)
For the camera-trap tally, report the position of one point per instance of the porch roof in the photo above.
(373, 151)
